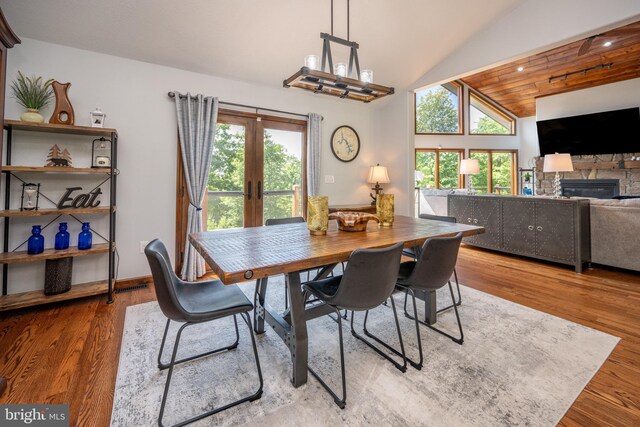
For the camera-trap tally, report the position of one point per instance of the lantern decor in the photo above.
(317, 215)
(30, 196)
(97, 118)
(101, 153)
(384, 209)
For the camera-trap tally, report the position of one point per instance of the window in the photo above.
(438, 109)
(486, 119)
(497, 171)
(439, 168)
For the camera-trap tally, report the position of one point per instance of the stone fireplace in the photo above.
(600, 167)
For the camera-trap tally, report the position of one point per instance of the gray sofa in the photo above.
(615, 232)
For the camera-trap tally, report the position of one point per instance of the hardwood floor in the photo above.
(68, 352)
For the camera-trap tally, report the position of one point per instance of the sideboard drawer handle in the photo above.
(468, 219)
(530, 227)
(539, 228)
(475, 221)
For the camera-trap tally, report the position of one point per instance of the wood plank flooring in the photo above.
(68, 352)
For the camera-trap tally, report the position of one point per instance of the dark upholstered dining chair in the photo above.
(368, 280)
(432, 271)
(192, 303)
(410, 252)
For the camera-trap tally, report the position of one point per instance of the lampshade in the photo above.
(469, 166)
(378, 174)
(557, 163)
(419, 175)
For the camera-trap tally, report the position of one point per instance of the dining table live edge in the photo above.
(256, 253)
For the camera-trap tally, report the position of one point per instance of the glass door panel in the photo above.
(502, 172)
(480, 181)
(225, 195)
(283, 172)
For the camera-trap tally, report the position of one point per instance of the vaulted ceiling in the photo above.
(259, 41)
(562, 69)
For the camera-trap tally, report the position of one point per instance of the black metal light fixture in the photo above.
(339, 79)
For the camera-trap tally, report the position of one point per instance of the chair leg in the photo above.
(173, 362)
(401, 367)
(455, 308)
(455, 275)
(340, 402)
(418, 365)
(163, 366)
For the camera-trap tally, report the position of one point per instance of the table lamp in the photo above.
(557, 163)
(469, 167)
(419, 176)
(379, 175)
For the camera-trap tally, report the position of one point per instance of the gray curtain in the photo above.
(197, 116)
(314, 146)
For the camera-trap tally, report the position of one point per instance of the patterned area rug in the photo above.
(517, 367)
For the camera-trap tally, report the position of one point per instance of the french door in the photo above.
(258, 171)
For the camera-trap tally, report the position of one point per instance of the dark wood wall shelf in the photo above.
(8, 257)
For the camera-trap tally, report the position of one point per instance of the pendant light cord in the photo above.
(348, 9)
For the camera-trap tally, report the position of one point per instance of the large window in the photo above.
(497, 171)
(438, 109)
(440, 168)
(486, 119)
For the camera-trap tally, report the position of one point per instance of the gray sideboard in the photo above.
(539, 227)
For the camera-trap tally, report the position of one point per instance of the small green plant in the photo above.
(32, 92)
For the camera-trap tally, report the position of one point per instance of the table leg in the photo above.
(299, 340)
(430, 310)
(258, 302)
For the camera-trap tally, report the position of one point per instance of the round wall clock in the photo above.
(345, 143)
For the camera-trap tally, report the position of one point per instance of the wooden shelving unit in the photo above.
(8, 257)
(14, 213)
(31, 298)
(52, 169)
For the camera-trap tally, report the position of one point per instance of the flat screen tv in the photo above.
(608, 132)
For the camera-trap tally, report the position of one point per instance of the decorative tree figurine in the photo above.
(58, 158)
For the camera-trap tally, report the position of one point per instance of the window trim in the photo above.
(460, 152)
(461, 91)
(514, 168)
(493, 106)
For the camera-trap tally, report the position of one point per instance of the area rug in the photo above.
(517, 367)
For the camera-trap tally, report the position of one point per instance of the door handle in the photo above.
(249, 190)
(468, 219)
(530, 227)
(475, 221)
(539, 228)
(259, 189)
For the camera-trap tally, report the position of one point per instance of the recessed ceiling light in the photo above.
(520, 68)
(607, 44)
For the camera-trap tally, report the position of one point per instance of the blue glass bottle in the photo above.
(85, 236)
(62, 237)
(35, 245)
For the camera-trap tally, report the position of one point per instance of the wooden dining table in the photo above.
(256, 253)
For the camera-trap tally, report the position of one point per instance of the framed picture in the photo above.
(345, 143)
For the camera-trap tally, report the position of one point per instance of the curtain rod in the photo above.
(173, 95)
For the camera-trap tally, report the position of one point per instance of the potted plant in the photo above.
(33, 94)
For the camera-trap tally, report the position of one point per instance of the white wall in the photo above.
(133, 94)
(613, 96)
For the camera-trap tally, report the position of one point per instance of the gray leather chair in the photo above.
(368, 280)
(432, 271)
(191, 303)
(410, 252)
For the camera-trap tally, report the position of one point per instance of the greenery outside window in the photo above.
(498, 169)
(440, 168)
(486, 119)
(438, 110)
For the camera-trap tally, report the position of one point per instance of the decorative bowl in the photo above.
(353, 221)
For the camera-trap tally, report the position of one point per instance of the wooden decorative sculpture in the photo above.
(59, 157)
(63, 113)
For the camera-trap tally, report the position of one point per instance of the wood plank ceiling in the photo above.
(517, 90)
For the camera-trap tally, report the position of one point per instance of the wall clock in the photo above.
(345, 143)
